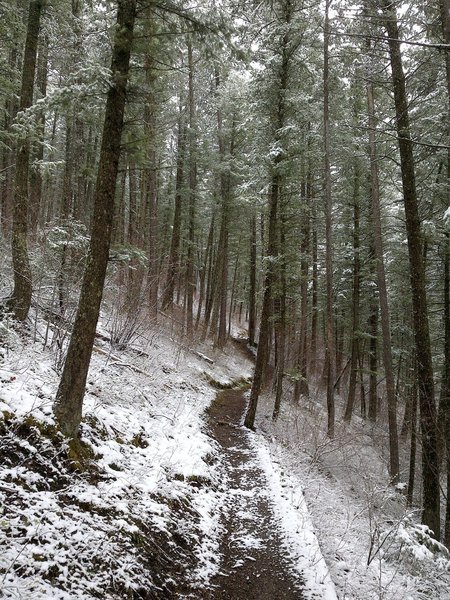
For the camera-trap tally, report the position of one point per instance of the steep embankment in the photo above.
(135, 516)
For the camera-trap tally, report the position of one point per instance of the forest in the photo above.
(213, 195)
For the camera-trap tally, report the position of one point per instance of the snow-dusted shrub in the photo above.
(415, 547)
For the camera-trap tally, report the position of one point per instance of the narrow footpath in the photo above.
(255, 565)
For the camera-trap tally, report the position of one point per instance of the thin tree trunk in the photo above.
(190, 279)
(444, 400)
(394, 467)
(36, 175)
(20, 300)
(151, 188)
(264, 330)
(413, 446)
(174, 256)
(373, 359)
(252, 288)
(356, 294)
(204, 270)
(233, 293)
(225, 190)
(314, 295)
(262, 353)
(361, 384)
(329, 335)
(280, 317)
(8, 153)
(69, 397)
(301, 382)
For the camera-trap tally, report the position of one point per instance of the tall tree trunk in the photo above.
(264, 329)
(444, 400)
(373, 359)
(329, 334)
(356, 294)
(20, 300)
(252, 288)
(36, 175)
(174, 255)
(222, 266)
(301, 382)
(151, 187)
(262, 353)
(136, 228)
(8, 153)
(444, 6)
(279, 306)
(190, 280)
(69, 397)
(204, 270)
(394, 467)
(314, 295)
(413, 447)
(430, 461)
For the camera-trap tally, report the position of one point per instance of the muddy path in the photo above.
(255, 566)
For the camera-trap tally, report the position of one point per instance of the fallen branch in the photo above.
(117, 362)
(204, 357)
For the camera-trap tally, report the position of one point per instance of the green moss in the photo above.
(45, 429)
(241, 383)
(138, 440)
(80, 455)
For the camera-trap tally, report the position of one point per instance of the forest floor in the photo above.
(175, 499)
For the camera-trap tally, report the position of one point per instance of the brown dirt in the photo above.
(255, 565)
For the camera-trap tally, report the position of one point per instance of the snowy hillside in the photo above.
(136, 514)
(137, 511)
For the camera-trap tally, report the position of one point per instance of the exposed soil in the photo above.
(255, 565)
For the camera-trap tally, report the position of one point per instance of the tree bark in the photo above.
(394, 467)
(262, 353)
(174, 255)
(301, 382)
(36, 175)
(314, 295)
(20, 300)
(279, 306)
(69, 397)
(430, 462)
(222, 256)
(190, 280)
(252, 288)
(373, 360)
(444, 400)
(413, 446)
(329, 334)
(355, 295)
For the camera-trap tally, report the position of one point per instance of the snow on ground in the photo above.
(299, 537)
(144, 514)
(373, 545)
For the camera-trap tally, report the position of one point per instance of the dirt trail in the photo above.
(255, 565)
